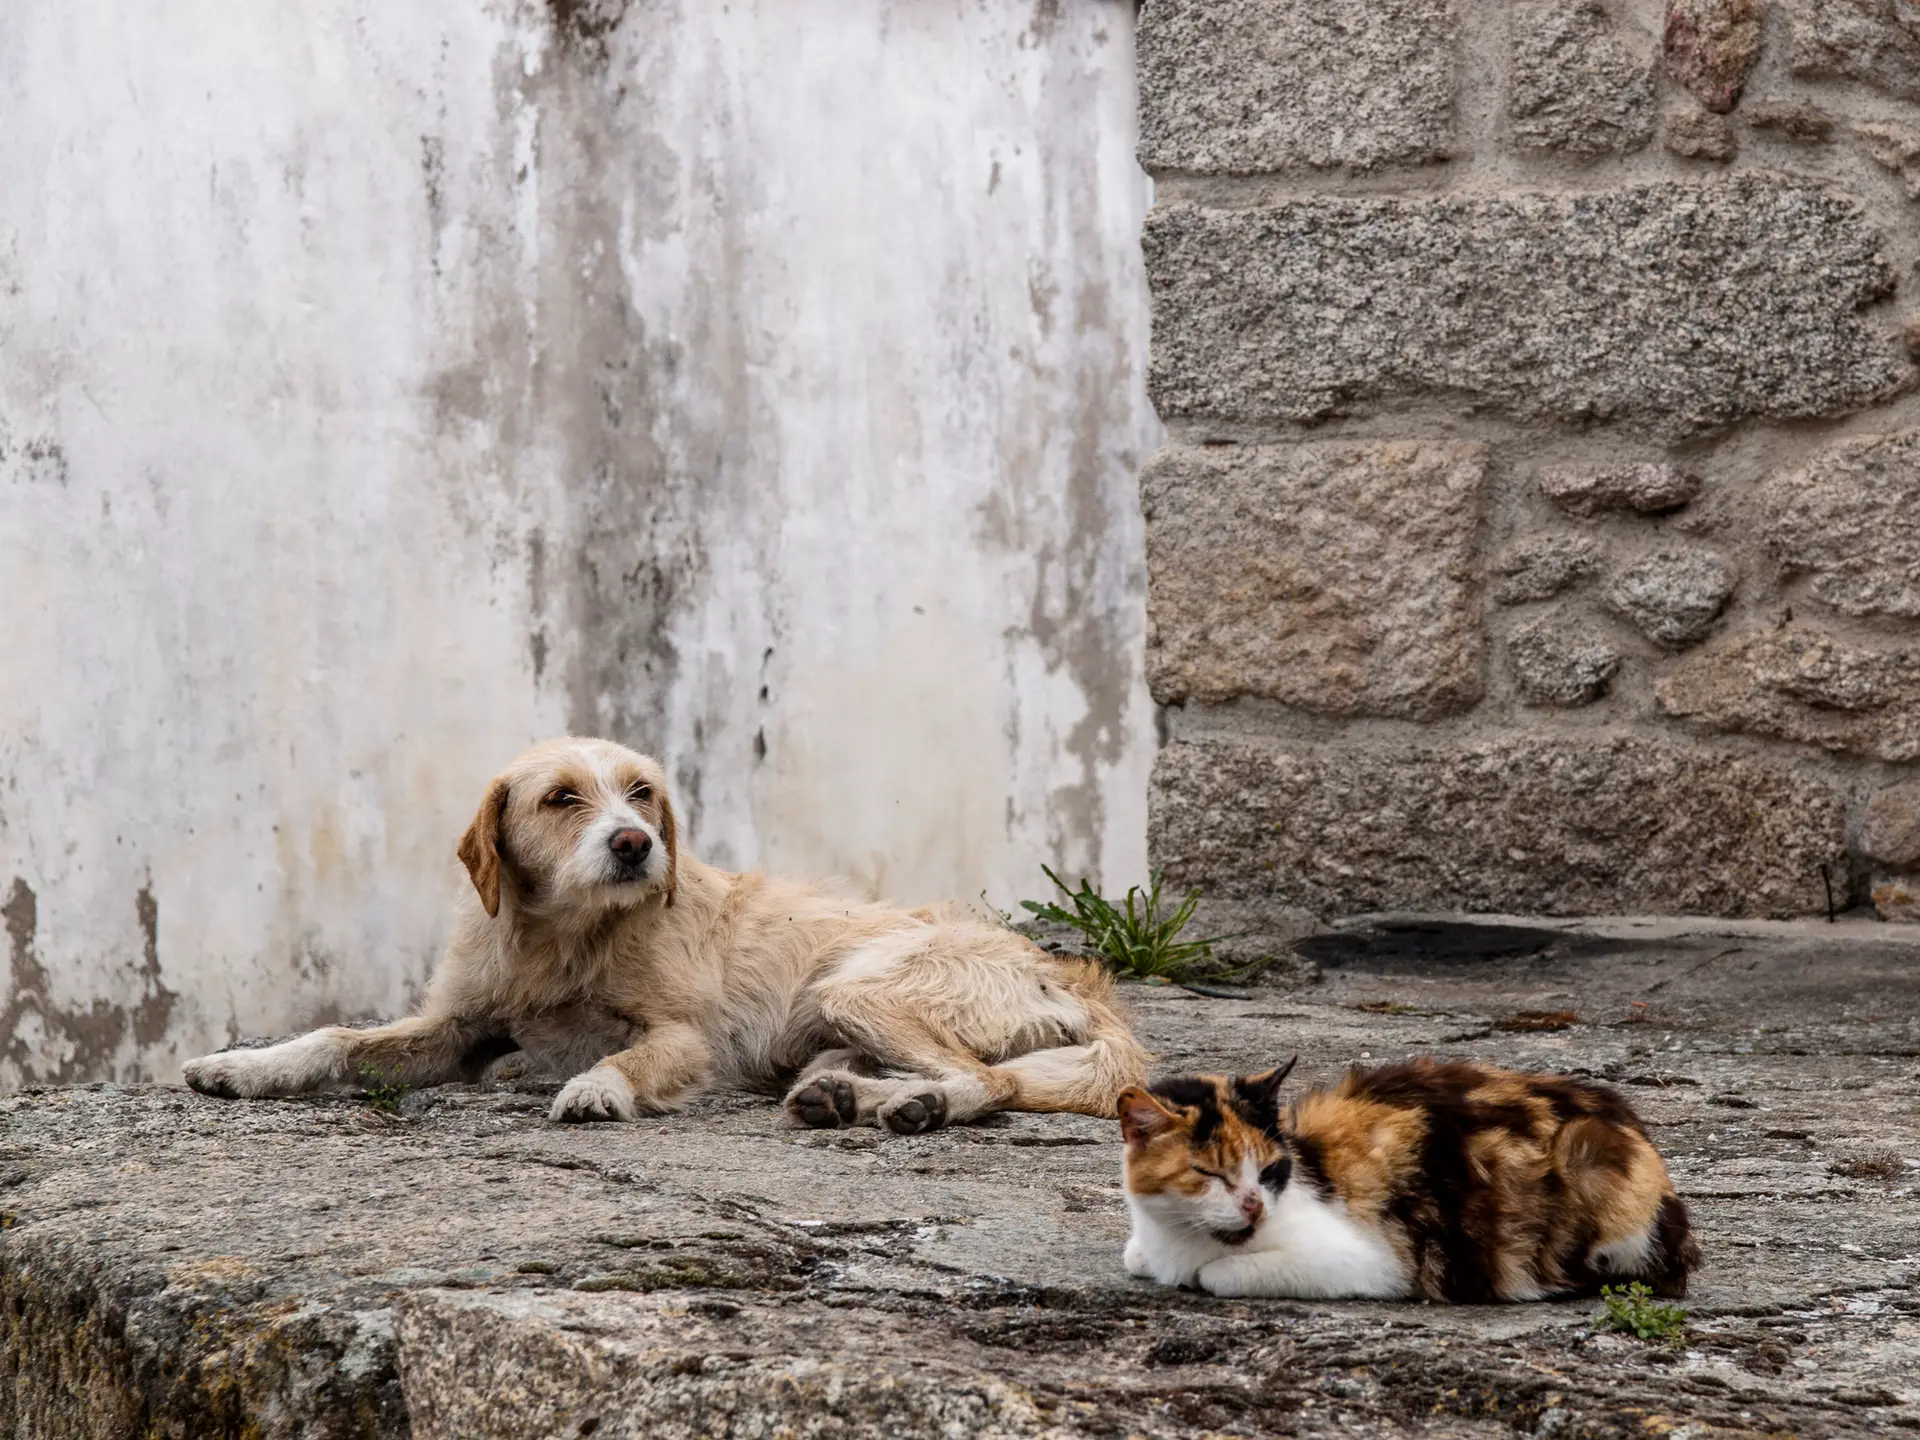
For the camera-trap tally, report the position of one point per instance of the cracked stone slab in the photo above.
(1278, 85)
(1895, 148)
(1560, 661)
(1547, 823)
(1890, 829)
(1647, 488)
(1336, 578)
(176, 1265)
(1542, 566)
(1696, 134)
(1804, 685)
(1874, 41)
(1790, 120)
(1574, 83)
(1674, 595)
(1675, 309)
(1711, 46)
(1848, 521)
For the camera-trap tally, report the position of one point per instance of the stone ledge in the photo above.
(173, 1265)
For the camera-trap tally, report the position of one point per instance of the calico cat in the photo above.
(1441, 1180)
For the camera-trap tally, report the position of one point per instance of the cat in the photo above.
(1436, 1180)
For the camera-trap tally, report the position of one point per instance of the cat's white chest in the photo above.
(1306, 1248)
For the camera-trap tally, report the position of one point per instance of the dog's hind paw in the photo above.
(916, 1113)
(601, 1093)
(825, 1103)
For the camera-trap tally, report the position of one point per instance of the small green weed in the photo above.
(1002, 918)
(1631, 1308)
(1139, 936)
(380, 1095)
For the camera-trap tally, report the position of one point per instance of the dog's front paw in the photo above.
(601, 1093)
(213, 1075)
(233, 1074)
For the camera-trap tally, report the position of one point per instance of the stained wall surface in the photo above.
(385, 386)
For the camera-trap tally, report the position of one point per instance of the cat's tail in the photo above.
(1083, 1079)
(1675, 1252)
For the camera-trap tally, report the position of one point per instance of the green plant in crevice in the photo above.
(997, 916)
(380, 1095)
(1632, 1310)
(1138, 935)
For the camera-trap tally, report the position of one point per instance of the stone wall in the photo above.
(1539, 523)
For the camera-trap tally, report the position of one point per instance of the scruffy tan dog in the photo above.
(591, 938)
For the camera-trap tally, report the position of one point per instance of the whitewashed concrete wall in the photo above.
(385, 386)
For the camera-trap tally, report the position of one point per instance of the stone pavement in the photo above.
(177, 1266)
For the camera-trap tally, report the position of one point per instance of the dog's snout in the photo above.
(630, 845)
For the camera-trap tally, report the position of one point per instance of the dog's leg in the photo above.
(421, 1050)
(942, 1083)
(647, 1078)
(946, 1006)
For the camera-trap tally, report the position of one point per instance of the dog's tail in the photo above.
(1087, 1078)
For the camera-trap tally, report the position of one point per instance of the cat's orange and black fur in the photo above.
(1447, 1181)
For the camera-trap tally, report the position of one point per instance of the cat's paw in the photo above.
(915, 1112)
(1234, 1276)
(825, 1102)
(601, 1093)
(1135, 1259)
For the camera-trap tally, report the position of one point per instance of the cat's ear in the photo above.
(1142, 1117)
(1265, 1089)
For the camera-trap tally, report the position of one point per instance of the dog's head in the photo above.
(574, 825)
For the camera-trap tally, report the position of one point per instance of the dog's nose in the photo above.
(1253, 1207)
(630, 845)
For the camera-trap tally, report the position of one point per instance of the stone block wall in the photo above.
(1538, 527)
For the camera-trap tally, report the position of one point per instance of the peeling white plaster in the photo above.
(331, 337)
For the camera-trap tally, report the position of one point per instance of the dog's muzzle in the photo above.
(629, 849)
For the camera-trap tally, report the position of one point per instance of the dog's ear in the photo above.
(480, 847)
(670, 837)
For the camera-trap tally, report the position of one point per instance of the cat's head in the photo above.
(1204, 1152)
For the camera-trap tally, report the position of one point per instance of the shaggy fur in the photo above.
(1446, 1181)
(594, 943)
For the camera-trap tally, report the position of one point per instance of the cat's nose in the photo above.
(1253, 1207)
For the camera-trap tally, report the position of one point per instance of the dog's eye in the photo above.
(640, 794)
(561, 798)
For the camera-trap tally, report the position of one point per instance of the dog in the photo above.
(595, 944)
